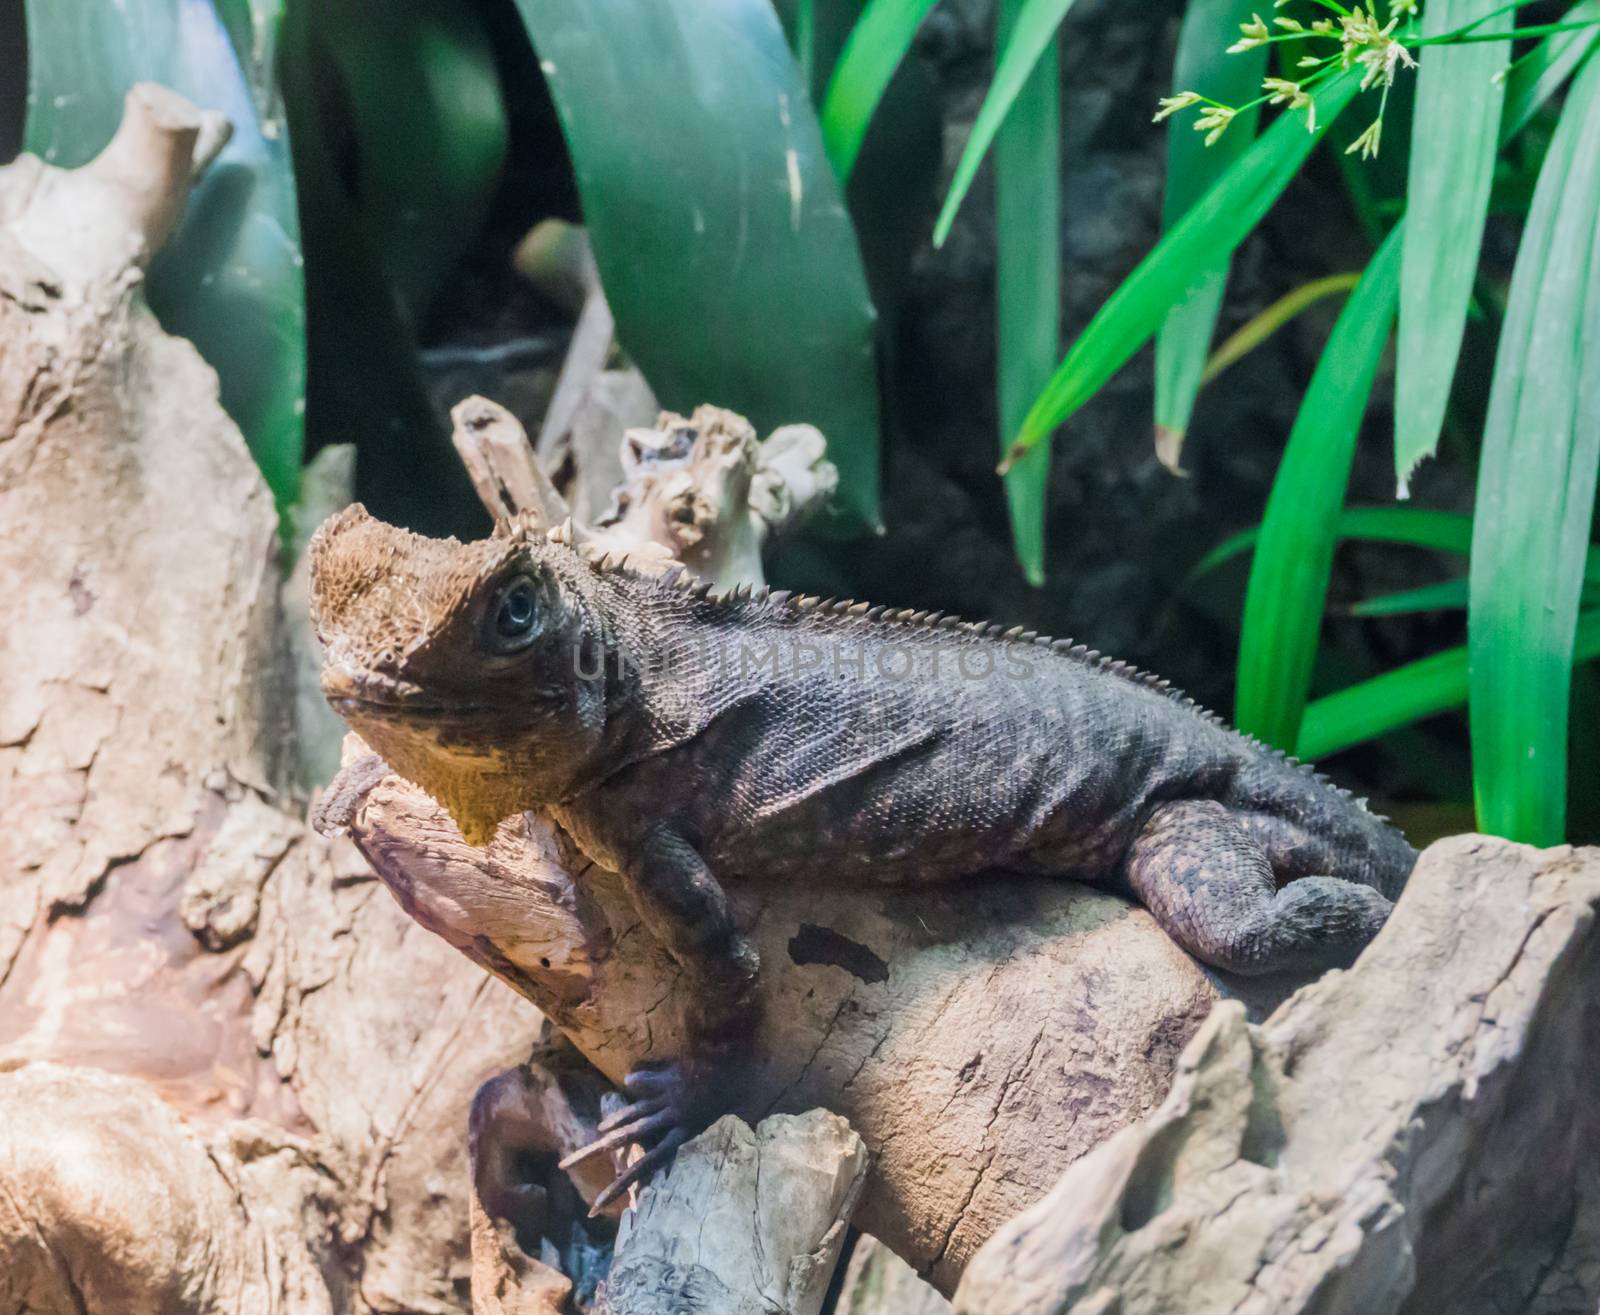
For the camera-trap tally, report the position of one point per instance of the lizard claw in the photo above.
(657, 1108)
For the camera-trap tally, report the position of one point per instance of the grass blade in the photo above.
(1213, 227)
(1022, 38)
(1219, 222)
(877, 44)
(1416, 527)
(1454, 140)
(1202, 65)
(1028, 277)
(1261, 326)
(1407, 694)
(1538, 75)
(715, 211)
(1536, 487)
(1294, 556)
(1445, 596)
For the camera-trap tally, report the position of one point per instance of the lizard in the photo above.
(683, 738)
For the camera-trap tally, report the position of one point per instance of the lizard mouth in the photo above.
(365, 695)
(353, 705)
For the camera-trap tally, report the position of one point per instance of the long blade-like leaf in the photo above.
(1028, 277)
(1212, 228)
(717, 223)
(876, 45)
(1294, 557)
(1444, 596)
(1538, 75)
(1536, 487)
(1454, 140)
(1417, 527)
(1202, 65)
(1219, 222)
(1022, 40)
(1407, 694)
(230, 278)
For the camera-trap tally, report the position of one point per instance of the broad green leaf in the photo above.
(1027, 160)
(429, 131)
(1454, 140)
(1202, 65)
(1418, 527)
(877, 44)
(1407, 694)
(1023, 38)
(1294, 556)
(1536, 487)
(230, 278)
(364, 384)
(1212, 228)
(716, 221)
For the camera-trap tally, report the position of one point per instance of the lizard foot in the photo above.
(657, 1109)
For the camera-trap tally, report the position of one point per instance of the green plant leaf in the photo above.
(428, 131)
(1405, 695)
(1455, 137)
(1027, 161)
(1444, 596)
(1294, 556)
(1022, 40)
(230, 278)
(1202, 65)
(716, 221)
(1536, 488)
(1262, 325)
(1417, 527)
(364, 384)
(1211, 229)
(874, 49)
(1539, 74)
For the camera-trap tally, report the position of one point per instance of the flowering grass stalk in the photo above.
(1380, 49)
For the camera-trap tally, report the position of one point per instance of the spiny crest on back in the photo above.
(680, 578)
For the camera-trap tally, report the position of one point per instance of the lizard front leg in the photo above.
(684, 907)
(1207, 880)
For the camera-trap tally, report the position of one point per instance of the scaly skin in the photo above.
(683, 739)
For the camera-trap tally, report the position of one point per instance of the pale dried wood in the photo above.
(499, 459)
(978, 1039)
(1416, 1134)
(744, 1220)
(233, 1077)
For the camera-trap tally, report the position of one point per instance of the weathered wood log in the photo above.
(1416, 1134)
(978, 1040)
(233, 1077)
(743, 1220)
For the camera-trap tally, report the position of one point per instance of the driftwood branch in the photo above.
(233, 1076)
(742, 1220)
(1416, 1134)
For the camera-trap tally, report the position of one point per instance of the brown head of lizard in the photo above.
(456, 661)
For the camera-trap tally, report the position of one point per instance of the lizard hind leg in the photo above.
(1207, 880)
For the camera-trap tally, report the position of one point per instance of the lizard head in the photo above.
(459, 662)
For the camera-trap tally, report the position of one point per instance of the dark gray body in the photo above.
(761, 739)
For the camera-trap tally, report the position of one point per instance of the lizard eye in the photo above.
(514, 616)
